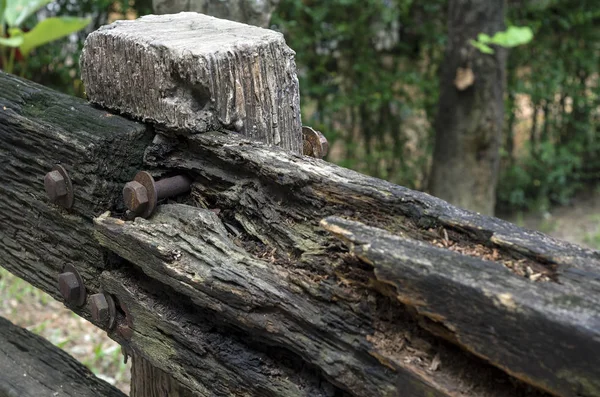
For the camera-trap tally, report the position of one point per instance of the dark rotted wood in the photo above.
(39, 128)
(353, 334)
(544, 333)
(279, 198)
(236, 171)
(200, 355)
(30, 366)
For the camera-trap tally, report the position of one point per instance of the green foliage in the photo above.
(14, 14)
(512, 37)
(368, 79)
(51, 29)
(557, 79)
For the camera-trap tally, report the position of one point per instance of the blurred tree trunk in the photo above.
(470, 110)
(252, 12)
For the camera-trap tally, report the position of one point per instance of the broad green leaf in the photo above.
(483, 38)
(2, 8)
(17, 11)
(11, 42)
(513, 36)
(51, 29)
(15, 39)
(482, 47)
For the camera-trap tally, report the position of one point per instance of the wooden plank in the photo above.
(546, 334)
(367, 344)
(193, 346)
(193, 72)
(30, 366)
(248, 182)
(40, 127)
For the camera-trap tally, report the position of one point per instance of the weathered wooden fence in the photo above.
(274, 273)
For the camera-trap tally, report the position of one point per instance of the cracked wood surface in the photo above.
(40, 127)
(196, 73)
(279, 198)
(241, 291)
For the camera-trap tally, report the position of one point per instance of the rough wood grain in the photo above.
(197, 349)
(30, 366)
(192, 72)
(247, 183)
(149, 381)
(546, 334)
(354, 335)
(39, 128)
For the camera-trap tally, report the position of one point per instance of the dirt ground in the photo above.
(31, 308)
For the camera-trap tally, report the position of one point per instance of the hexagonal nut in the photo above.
(55, 185)
(99, 309)
(135, 196)
(69, 287)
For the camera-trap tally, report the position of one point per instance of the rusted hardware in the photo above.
(104, 312)
(314, 143)
(71, 286)
(59, 187)
(143, 193)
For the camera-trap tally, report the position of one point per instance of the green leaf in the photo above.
(51, 29)
(2, 8)
(12, 41)
(15, 39)
(513, 36)
(483, 38)
(17, 11)
(482, 47)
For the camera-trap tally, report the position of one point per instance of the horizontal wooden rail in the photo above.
(30, 366)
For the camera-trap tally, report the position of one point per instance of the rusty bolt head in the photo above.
(315, 144)
(135, 196)
(55, 184)
(69, 286)
(99, 309)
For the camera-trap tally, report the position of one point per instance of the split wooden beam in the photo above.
(40, 127)
(524, 302)
(30, 366)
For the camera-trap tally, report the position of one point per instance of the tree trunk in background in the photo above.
(471, 109)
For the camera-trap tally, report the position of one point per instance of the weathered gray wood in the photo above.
(545, 334)
(252, 12)
(363, 342)
(30, 366)
(149, 381)
(197, 73)
(40, 127)
(248, 182)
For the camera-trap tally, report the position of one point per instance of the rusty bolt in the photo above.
(135, 196)
(70, 287)
(314, 143)
(55, 184)
(59, 187)
(103, 311)
(143, 193)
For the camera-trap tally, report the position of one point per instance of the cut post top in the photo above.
(190, 72)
